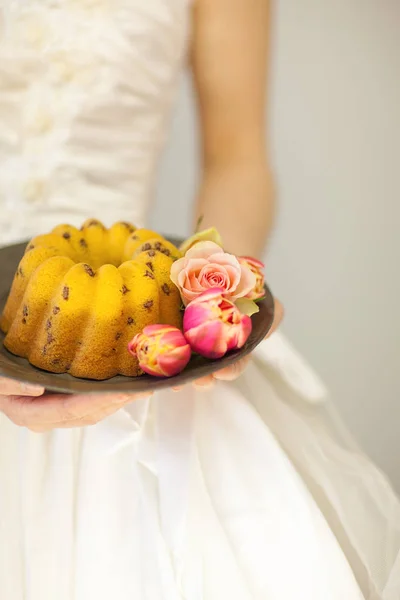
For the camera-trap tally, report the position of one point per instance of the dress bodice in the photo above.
(85, 92)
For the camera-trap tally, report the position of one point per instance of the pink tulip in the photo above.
(207, 266)
(213, 325)
(161, 350)
(256, 267)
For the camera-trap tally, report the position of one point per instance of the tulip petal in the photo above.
(173, 362)
(208, 339)
(197, 314)
(257, 264)
(244, 331)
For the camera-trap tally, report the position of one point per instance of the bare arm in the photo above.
(230, 64)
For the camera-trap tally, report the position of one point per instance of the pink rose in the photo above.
(207, 266)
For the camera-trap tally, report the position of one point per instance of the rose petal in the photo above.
(203, 250)
(247, 282)
(213, 275)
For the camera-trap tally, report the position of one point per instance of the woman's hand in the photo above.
(28, 406)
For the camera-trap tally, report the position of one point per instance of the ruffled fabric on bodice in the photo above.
(86, 87)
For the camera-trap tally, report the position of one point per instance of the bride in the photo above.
(249, 491)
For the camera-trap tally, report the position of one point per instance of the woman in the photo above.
(248, 491)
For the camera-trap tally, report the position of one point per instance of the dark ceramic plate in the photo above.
(19, 368)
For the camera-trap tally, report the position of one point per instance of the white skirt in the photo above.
(250, 491)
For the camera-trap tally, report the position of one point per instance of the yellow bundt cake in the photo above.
(79, 296)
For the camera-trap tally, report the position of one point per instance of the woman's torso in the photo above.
(85, 91)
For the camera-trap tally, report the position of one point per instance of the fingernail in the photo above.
(30, 389)
(202, 387)
(128, 398)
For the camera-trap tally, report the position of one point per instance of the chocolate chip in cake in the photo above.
(89, 270)
(56, 310)
(25, 310)
(124, 290)
(166, 289)
(148, 305)
(150, 266)
(165, 251)
(118, 335)
(157, 245)
(149, 274)
(66, 236)
(151, 253)
(128, 226)
(50, 338)
(83, 243)
(48, 324)
(65, 292)
(130, 321)
(24, 321)
(146, 246)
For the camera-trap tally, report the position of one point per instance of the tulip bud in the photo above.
(213, 325)
(162, 350)
(255, 267)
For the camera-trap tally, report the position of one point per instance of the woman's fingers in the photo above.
(9, 387)
(55, 411)
(233, 371)
(278, 317)
(204, 383)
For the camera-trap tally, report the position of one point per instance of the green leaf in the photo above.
(199, 222)
(247, 307)
(208, 235)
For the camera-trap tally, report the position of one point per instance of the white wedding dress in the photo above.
(251, 491)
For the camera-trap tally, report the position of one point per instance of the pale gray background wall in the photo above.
(335, 255)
